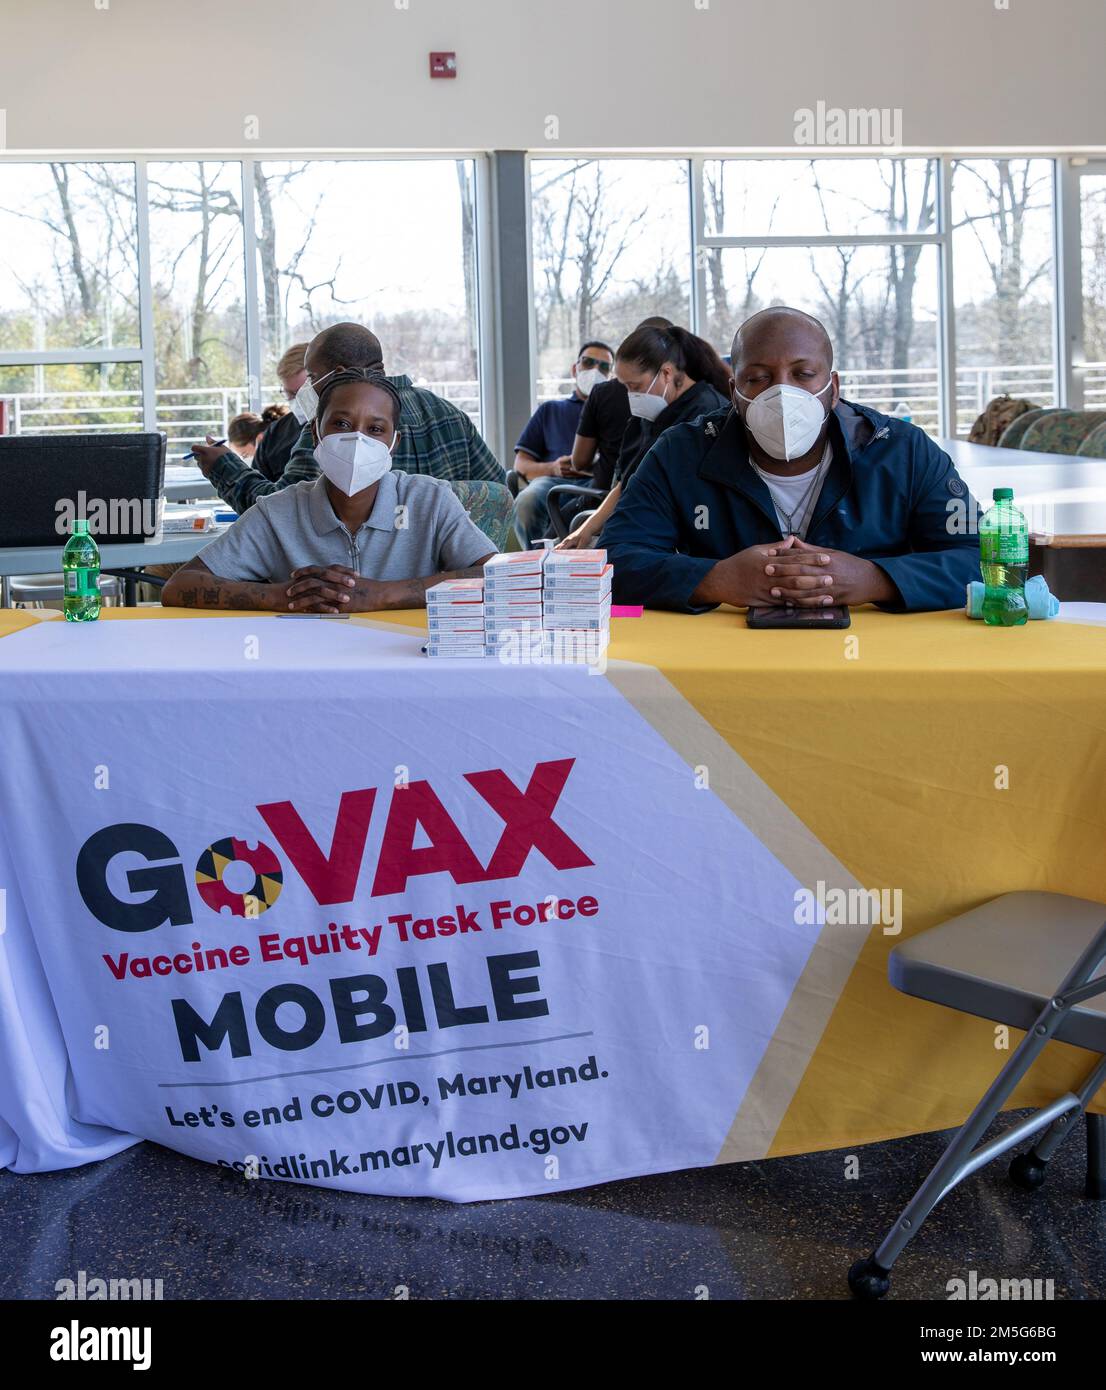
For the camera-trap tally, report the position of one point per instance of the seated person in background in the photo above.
(435, 436)
(793, 496)
(601, 433)
(360, 537)
(284, 426)
(243, 433)
(670, 376)
(543, 454)
(269, 446)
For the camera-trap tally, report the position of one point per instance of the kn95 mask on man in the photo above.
(785, 420)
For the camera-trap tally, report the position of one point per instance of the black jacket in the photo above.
(890, 495)
(275, 446)
(641, 435)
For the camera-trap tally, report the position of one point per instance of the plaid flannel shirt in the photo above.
(435, 437)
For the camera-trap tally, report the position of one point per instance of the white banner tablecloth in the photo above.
(289, 897)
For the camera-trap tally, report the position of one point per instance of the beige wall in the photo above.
(681, 74)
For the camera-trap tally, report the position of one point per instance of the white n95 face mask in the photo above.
(353, 462)
(645, 406)
(588, 380)
(785, 420)
(297, 409)
(307, 401)
(307, 397)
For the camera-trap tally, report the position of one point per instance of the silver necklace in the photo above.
(801, 507)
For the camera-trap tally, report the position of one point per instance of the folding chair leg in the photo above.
(1028, 1170)
(1096, 1157)
(870, 1278)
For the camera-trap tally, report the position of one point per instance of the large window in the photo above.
(1002, 235)
(68, 257)
(387, 243)
(223, 285)
(69, 297)
(199, 297)
(611, 246)
(161, 293)
(878, 247)
(1092, 222)
(852, 241)
(72, 397)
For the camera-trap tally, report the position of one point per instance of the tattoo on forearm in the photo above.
(227, 594)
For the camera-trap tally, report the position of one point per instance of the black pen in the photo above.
(192, 456)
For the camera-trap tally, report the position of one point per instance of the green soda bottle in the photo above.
(1004, 561)
(80, 563)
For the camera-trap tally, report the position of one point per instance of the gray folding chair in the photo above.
(999, 961)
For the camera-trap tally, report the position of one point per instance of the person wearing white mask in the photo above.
(793, 495)
(358, 538)
(543, 454)
(274, 448)
(670, 376)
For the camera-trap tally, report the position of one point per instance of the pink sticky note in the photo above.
(626, 610)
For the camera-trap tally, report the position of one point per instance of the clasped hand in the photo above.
(809, 576)
(331, 589)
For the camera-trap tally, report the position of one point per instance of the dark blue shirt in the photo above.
(551, 431)
(890, 496)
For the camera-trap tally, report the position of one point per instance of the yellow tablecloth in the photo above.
(889, 741)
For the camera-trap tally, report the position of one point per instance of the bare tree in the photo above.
(1094, 279)
(838, 287)
(726, 315)
(1010, 194)
(553, 215)
(467, 190)
(60, 173)
(216, 244)
(715, 190)
(602, 239)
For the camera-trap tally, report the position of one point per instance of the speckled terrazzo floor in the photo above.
(785, 1229)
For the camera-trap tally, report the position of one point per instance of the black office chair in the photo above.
(560, 499)
(40, 473)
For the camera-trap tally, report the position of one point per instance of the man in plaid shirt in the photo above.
(435, 437)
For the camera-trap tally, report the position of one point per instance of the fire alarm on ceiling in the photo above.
(443, 65)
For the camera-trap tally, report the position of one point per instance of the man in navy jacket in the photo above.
(791, 500)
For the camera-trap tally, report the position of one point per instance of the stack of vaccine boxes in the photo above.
(548, 605)
(530, 606)
(455, 618)
(513, 605)
(576, 613)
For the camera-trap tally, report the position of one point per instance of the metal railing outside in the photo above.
(188, 414)
(915, 392)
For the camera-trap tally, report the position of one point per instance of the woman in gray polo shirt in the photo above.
(357, 538)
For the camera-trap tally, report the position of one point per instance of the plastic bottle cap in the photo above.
(1003, 494)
